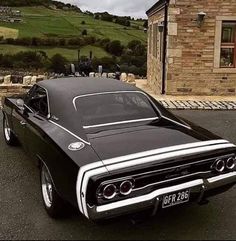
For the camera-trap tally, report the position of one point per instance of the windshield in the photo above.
(114, 108)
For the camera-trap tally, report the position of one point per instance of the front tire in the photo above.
(9, 137)
(53, 203)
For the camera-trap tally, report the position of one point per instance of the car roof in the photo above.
(72, 87)
(62, 91)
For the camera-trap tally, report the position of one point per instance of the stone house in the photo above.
(192, 47)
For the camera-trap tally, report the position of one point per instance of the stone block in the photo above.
(174, 11)
(98, 75)
(130, 78)
(104, 75)
(27, 80)
(174, 53)
(111, 75)
(7, 79)
(33, 80)
(173, 29)
(92, 74)
(123, 77)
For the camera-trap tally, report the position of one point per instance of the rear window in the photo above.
(110, 108)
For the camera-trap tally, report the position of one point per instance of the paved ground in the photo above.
(23, 217)
(186, 102)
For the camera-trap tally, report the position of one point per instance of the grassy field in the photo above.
(40, 21)
(70, 54)
(9, 32)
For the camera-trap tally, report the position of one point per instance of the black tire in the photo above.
(9, 137)
(55, 206)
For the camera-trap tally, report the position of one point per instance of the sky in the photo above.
(134, 8)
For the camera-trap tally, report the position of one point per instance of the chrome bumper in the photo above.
(199, 187)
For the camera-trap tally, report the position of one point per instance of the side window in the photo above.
(228, 45)
(37, 101)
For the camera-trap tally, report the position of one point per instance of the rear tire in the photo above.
(55, 206)
(9, 137)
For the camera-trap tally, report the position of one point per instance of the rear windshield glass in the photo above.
(114, 107)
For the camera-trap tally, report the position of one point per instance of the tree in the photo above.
(29, 59)
(84, 32)
(96, 16)
(145, 24)
(108, 63)
(137, 48)
(115, 48)
(58, 63)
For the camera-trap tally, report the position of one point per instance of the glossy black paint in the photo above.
(46, 142)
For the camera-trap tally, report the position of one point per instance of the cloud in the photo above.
(135, 8)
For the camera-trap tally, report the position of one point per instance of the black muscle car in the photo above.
(109, 149)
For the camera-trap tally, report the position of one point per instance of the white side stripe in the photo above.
(87, 176)
(80, 177)
(63, 128)
(162, 150)
(180, 153)
(88, 171)
(121, 122)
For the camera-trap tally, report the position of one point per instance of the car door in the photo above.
(20, 116)
(37, 115)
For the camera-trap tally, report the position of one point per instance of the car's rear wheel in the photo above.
(53, 203)
(9, 137)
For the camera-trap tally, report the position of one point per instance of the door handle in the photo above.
(23, 123)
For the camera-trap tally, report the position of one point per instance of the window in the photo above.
(161, 46)
(228, 45)
(37, 100)
(155, 40)
(111, 108)
(150, 39)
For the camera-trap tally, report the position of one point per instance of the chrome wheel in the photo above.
(47, 187)
(7, 130)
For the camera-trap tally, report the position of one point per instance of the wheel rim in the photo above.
(7, 130)
(46, 187)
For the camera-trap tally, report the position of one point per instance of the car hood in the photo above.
(126, 141)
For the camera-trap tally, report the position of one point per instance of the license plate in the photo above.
(176, 198)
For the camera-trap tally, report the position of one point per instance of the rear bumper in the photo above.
(199, 188)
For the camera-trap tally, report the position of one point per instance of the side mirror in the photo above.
(20, 103)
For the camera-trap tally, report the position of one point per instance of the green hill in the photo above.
(44, 22)
(41, 21)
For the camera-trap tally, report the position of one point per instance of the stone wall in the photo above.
(12, 89)
(193, 52)
(17, 84)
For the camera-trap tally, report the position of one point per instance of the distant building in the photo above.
(16, 13)
(192, 47)
(15, 20)
(9, 15)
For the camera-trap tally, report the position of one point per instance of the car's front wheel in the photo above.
(9, 137)
(53, 203)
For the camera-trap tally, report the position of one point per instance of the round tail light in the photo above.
(231, 163)
(126, 187)
(220, 166)
(109, 191)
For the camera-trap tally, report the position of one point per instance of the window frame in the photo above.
(30, 94)
(152, 104)
(228, 45)
(217, 50)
